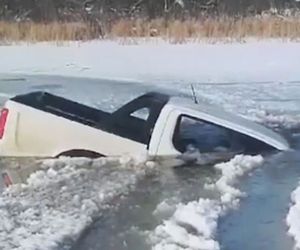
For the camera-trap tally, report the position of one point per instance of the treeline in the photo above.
(80, 10)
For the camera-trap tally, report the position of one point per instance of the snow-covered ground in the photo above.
(158, 61)
(260, 80)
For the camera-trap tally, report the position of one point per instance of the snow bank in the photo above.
(193, 226)
(62, 199)
(293, 217)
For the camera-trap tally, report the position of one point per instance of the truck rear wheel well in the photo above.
(81, 153)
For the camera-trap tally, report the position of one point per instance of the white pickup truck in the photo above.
(40, 124)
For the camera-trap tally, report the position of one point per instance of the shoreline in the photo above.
(174, 31)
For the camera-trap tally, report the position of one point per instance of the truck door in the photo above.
(183, 131)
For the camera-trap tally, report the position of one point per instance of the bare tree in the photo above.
(49, 10)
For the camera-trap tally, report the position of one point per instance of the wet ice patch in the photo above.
(194, 225)
(293, 217)
(59, 201)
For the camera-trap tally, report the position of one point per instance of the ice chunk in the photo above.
(60, 200)
(193, 225)
(293, 217)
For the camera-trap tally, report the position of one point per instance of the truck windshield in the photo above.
(209, 137)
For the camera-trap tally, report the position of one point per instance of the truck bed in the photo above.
(64, 108)
(120, 122)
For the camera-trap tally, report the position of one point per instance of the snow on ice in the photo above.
(293, 217)
(193, 225)
(157, 60)
(61, 200)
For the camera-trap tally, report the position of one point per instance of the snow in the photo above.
(293, 218)
(230, 172)
(164, 207)
(157, 60)
(61, 200)
(193, 226)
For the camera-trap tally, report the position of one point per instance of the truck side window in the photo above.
(205, 136)
(142, 113)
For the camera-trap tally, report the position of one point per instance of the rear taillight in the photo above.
(6, 180)
(3, 119)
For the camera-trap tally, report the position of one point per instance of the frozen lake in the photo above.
(258, 223)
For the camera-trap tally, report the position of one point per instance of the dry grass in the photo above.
(223, 28)
(34, 32)
(173, 30)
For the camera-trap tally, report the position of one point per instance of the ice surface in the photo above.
(293, 217)
(241, 78)
(61, 200)
(193, 225)
(158, 60)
